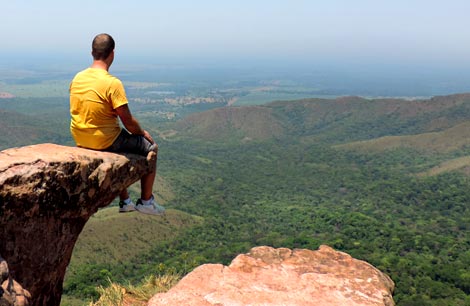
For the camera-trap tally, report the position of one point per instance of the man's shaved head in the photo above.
(103, 45)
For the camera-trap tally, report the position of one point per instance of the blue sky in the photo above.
(361, 31)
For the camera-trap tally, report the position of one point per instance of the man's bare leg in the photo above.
(146, 182)
(124, 195)
(146, 204)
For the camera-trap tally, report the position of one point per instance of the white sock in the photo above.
(127, 201)
(147, 202)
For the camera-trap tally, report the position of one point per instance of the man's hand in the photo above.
(148, 137)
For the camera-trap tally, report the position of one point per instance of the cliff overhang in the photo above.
(47, 194)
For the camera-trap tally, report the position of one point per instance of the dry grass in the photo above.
(118, 295)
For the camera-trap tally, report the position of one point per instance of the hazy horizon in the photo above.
(343, 78)
(420, 46)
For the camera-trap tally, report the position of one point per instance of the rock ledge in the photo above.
(267, 276)
(47, 194)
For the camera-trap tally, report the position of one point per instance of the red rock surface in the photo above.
(47, 194)
(267, 276)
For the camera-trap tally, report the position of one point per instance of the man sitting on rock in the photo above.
(97, 100)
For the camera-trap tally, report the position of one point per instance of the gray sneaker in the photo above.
(151, 209)
(123, 207)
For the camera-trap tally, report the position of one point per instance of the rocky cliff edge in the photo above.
(47, 194)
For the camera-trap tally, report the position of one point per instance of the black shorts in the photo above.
(128, 143)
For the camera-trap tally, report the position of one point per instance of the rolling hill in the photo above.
(20, 130)
(445, 141)
(338, 120)
(222, 124)
(116, 237)
(26, 121)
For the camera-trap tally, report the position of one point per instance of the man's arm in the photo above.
(130, 123)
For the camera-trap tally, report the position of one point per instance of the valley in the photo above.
(383, 179)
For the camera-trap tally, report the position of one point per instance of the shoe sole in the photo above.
(127, 208)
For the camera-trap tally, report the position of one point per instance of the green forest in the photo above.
(285, 194)
(303, 186)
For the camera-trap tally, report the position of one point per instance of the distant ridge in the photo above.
(337, 121)
(19, 130)
(244, 123)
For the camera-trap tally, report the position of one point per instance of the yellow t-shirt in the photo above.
(94, 96)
